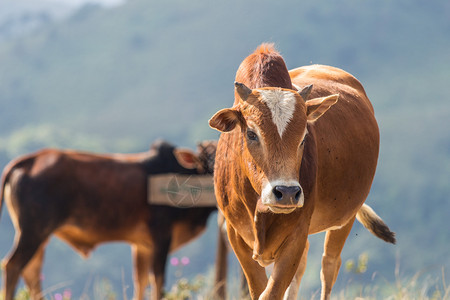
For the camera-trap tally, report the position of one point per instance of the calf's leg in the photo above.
(331, 260)
(158, 265)
(32, 274)
(27, 243)
(141, 259)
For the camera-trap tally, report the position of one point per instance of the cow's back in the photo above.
(347, 140)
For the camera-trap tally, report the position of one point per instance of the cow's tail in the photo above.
(367, 216)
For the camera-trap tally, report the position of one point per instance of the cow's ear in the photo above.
(186, 158)
(316, 107)
(225, 120)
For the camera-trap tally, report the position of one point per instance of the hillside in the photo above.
(116, 79)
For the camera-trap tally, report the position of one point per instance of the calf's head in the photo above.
(167, 158)
(271, 124)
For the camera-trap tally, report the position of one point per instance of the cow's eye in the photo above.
(303, 142)
(251, 135)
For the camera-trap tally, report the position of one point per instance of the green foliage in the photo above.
(185, 289)
(23, 295)
(104, 290)
(360, 266)
(30, 138)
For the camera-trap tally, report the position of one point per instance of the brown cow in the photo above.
(287, 167)
(86, 199)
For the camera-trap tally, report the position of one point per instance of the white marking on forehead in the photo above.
(282, 105)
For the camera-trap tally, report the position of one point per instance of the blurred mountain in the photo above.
(21, 17)
(116, 79)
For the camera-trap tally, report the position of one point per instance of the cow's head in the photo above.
(272, 124)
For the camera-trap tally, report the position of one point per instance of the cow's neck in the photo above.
(270, 232)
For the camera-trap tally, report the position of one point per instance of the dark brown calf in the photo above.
(86, 199)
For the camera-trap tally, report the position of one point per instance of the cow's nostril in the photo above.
(297, 195)
(278, 194)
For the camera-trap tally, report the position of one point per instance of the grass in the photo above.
(421, 286)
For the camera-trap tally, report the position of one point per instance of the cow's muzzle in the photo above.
(287, 194)
(283, 198)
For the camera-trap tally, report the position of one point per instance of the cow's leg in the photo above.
(158, 264)
(292, 291)
(255, 274)
(331, 260)
(141, 258)
(286, 265)
(26, 245)
(32, 273)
